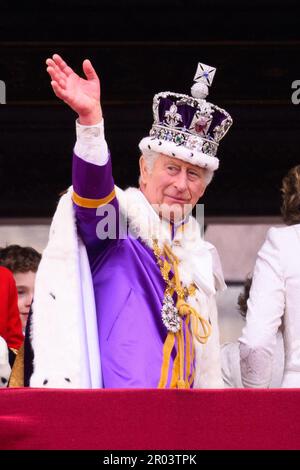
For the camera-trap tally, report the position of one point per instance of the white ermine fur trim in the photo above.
(5, 369)
(179, 151)
(64, 333)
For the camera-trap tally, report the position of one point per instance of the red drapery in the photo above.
(149, 419)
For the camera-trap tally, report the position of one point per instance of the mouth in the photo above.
(177, 199)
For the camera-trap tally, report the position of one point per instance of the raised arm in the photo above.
(92, 176)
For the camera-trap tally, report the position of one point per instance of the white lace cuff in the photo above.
(91, 145)
(256, 367)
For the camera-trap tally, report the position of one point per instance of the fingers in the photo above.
(57, 76)
(61, 65)
(58, 90)
(89, 70)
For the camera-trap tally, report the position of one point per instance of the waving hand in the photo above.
(81, 94)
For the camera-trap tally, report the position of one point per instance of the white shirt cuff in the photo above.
(91, 145)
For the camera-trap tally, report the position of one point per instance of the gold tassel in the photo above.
(167, 350)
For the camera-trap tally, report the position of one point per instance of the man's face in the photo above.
(172, 186)
(25, 288)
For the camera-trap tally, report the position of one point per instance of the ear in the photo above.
(143, 170)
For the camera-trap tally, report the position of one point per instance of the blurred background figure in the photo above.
(23, 262)
(274, 298)
(230, 353)
(11, 337)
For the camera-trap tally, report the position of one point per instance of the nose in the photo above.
(181, 181)
(29, 299)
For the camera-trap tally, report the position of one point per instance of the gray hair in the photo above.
(150, 157)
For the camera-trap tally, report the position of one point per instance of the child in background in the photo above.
(23, 263)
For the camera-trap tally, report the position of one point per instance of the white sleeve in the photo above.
(91, 145)
(265, 308)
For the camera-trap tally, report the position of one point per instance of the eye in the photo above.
(172, 168)
(193, 175)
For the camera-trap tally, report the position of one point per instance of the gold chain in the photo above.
(165, 268)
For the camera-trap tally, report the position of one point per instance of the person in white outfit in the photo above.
(230, 352)
(274, 299)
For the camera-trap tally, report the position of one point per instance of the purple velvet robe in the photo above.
(128, 287)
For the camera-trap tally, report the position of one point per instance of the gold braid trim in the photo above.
(188, 348)
(93, 203)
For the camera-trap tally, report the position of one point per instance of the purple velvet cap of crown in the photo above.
(186, 111)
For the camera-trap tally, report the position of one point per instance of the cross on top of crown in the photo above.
(205, 74)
